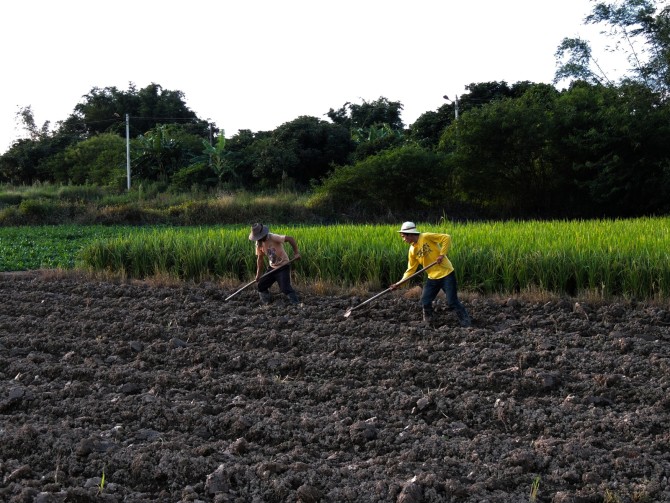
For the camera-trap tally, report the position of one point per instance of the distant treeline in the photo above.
(597, 148)
(520, 151)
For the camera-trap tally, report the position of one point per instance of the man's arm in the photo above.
(412, 266)
(443, 243)
(259, 266)
(291, 240)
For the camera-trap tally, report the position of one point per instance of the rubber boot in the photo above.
(427, 316)
(266, 297)
(464, 318)
(293, 298)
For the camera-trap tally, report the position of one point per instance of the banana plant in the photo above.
(216, 155)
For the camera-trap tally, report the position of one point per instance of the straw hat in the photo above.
(258, 231)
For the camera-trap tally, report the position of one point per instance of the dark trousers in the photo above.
(433, 287)
(282, 277)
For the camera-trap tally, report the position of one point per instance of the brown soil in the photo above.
(175, 395)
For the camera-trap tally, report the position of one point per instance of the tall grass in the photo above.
(145, 204)
(612, 257)
(617, 257)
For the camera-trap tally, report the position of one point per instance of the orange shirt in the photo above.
(273, 249)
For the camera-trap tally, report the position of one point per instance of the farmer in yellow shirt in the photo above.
(424, 249)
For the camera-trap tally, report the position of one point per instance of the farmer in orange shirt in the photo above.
(272, 246)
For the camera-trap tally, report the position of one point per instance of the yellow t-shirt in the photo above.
(425, 251)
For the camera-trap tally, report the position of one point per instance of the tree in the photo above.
(374, 139)
(638, 28)
(241, 155)
(104, 110)
(27, 119)
(428, 127)
(100, 160)
(216, 158)
(375, 113)
(501, 155)
(301, 152)
(164, 150)
(27, 160)
(405, 179)
(19, 164)
(614, 145)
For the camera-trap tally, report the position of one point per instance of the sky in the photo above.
(256, 64)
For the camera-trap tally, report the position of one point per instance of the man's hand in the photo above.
(394, 286)
(297, 256)
(439, 259)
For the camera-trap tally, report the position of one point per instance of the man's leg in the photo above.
(430, 290)
(284, 280)
(451, 291)
(264, 285)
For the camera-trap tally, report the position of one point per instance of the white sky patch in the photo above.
(256, 64)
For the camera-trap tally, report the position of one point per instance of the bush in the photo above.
(81, 193)
(10, 199)
(408, 178)
(36, 208)
(199, 175)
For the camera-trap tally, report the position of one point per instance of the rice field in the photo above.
(627, 258)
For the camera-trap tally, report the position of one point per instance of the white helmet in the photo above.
(408, 228)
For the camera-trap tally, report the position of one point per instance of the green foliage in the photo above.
(588, 151)
(101, 485)
(100, 160)
(48, 247)
(639, 30)
(534, 489)
(19, 164)
(501, 155)
(613, 144)
(10, 198)
(242, 152)
(375, 139)
(519, 151)
(400, 180)
(216, 158)
(145, 203)
(609, 258)
(103, 111)
(160, 154)
(301, 151)
(368, 114)
(36, 210)
(80, 193)
(428, 128)
(198, 175)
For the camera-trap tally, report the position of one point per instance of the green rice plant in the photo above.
(101, 485)
(534, 488)
(572, 257)
(611, 258)
(611, 497)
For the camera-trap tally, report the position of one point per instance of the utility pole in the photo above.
(455, 104)
(128, 149)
